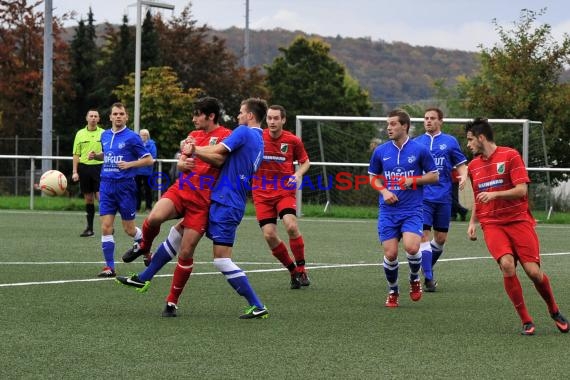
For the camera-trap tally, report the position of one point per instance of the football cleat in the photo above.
(134, 281)
(561, 321)
(430, 285)
(296, 280)
(146, 259)
(133, 253)
(87, 233)
(304, 279)
(392, 300)
(528, 329)
(107, 272)
(415, 290)
(253, 312)
(169, 310)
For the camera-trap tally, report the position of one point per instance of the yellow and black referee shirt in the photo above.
(85, 142)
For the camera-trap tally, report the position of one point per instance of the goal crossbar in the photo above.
(525, 123)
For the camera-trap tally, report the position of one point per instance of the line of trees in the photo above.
(520, 77)
(180, 61)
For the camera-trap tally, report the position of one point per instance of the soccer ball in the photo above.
(53, 183)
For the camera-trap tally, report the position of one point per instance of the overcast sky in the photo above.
(450, 24)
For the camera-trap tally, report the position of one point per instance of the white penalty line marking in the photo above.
(311, 267)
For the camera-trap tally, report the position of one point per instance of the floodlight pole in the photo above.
(246, 37)
(138, 43)
(47, 100)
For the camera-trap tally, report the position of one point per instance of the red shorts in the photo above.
(194, 210)
(271, 207)
(517, 238)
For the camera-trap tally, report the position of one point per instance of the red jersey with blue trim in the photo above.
(201, 180)
(277, 167)
(502, 170)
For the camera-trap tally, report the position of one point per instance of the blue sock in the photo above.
(437, 251)
(159, 259)
(238, 280)
(427, 258)
(164, 254)
(108, 247)
(415, 262)
(391, 272)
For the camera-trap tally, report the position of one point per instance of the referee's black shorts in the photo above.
(89, 178)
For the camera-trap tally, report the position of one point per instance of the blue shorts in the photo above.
(118, 196)
(392, 225)
(223, 223)
(436, 215)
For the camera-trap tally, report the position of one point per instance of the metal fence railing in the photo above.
(11, 183)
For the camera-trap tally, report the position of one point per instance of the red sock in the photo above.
(514, 291)
(298, 248)
(149, 233)
(545, 292)
(280, 252)
(182, 273)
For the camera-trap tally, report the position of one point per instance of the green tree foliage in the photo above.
(166, 108)
(21, 65)
(204, 62)
(150, 50)
(306, 80)
(117, 61)
(83, 54)
(520, 78)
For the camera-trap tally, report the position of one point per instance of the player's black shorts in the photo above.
(89, 178)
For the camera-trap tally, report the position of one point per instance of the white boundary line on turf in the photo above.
(102, 262)
(303, 219)
(311, 267)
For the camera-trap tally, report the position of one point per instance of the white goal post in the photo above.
(316, 130)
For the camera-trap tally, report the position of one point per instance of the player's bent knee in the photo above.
(293, 232)
(508, 268)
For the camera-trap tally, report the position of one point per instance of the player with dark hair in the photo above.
(123, 151)
(438, 197)
(274, 187)
(399, 169)
(86, 171)
(239, 157)
(188, 197)
(500, 187)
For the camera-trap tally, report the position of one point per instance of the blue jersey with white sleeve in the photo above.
(392, 163)
(447, 154)
(123, 145)
(246, 153)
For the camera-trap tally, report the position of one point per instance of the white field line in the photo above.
(301, 220)
(311, 267)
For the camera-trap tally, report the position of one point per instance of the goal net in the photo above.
(340, 147)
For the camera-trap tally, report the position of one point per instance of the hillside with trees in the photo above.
(523, 77)
(393, 73)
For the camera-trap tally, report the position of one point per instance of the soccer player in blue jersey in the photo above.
(239, 156)
(398, 170)
(188, 198)
(438, 199)
(123, 151)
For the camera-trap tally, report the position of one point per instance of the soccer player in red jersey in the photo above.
(500, 186)
(188, 197)
(274, 186)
